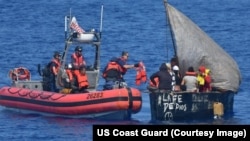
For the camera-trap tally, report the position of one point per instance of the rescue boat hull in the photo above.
(118, 104)
(181, 106)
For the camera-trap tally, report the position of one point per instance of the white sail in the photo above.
(194, 48)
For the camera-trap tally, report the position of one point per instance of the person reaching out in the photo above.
(122, 61)
(112, 71)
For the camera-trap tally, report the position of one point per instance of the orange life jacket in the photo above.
(124, 70)
(77, 61)
(191, 73)
(138, 78)
(20, 73)
(152, 84)
(208, 81)
(58, 65)
(141, 74)
(207, 85)
(112, 66)
(69, 73)
(82, 79)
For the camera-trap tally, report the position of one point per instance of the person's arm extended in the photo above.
(128, 66)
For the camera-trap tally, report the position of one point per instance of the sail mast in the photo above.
(171, 31)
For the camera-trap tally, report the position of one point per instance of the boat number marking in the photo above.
(95, 95)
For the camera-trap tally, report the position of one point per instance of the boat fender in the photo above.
(218, 109)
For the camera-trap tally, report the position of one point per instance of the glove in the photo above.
(136, 65)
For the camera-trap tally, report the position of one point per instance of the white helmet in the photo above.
(176, 68)
(69, 66)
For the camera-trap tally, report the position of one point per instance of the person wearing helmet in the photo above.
(77, 58)
(66, 79)
(54, 67)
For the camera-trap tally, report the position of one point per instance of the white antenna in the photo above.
(101, 19)
(65, 26)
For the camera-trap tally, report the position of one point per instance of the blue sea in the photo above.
(30, 31)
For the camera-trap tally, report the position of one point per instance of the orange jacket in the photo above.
(122, 61)
(70, 74)
(112, 66)
(191, 73)
(141, 74)
(82, 79)
(77, 61)
(55, 69)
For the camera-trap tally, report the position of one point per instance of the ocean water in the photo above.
(30, 31)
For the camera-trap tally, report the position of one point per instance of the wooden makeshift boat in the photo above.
(34, 96)
(193, 47)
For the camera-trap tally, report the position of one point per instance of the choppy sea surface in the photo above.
(30, 31)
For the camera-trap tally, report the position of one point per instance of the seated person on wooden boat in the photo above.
(204, 79)
(54, 66)
(189, 81)
(82, 81)
(112, 73)
(174, 62)
(165, 76)
(122, 61)
(65, 79)
(208, 81)
(178, 79)
(77, 59)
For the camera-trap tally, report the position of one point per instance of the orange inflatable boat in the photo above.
(110, 104)
(36, 96)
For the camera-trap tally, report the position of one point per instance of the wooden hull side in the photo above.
(188, 106)
(72, 104)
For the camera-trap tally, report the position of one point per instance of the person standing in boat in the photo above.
(208, 81)
(77, 59)
(165, 77)
(54, 67)
(122, 61)
(189, 81)
(178, 78)
(174, 62)
(201, 78)
(112, 73)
